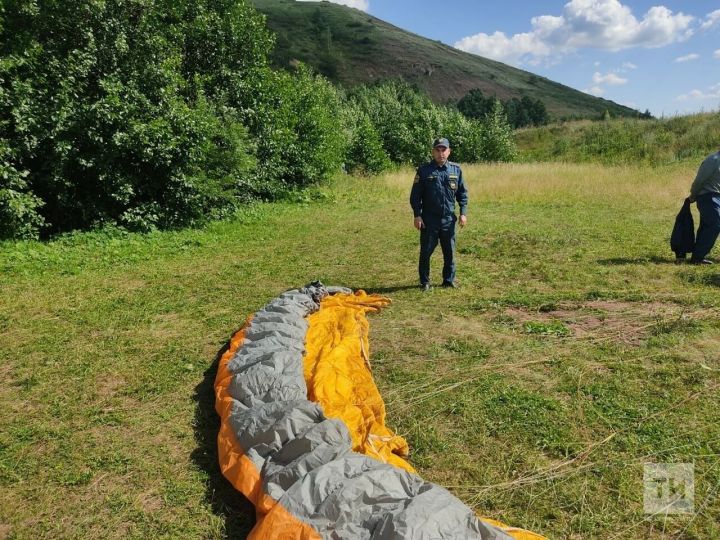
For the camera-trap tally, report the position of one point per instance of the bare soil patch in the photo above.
(629, 323)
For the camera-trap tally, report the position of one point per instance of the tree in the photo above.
(497, 140)
(365, 153)
(475, 105)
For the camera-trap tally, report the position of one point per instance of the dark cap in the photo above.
(441, 142)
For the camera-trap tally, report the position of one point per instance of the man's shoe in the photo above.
(701, 261)
(425, 287)
(449, 285)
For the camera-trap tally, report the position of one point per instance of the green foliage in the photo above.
(365, 153)
(407, 121)
(546, 328)
(620, 141)
(150, 115)
(124, 118)
(295, 126)
(474, 104)
(520, 112)
(497, 137)
(19, 217)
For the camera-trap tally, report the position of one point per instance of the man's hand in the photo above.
(463, 220)
(418, 223)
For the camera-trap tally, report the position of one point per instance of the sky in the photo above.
(661, 55)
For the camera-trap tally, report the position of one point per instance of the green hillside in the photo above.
(352, 47)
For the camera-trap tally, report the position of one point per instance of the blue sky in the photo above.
(661, 55)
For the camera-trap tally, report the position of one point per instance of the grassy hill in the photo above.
(352, 47)
(617, 141)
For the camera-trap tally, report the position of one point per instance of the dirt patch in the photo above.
(5, 531)
(150, 502)
(602, 320)
(109, 385)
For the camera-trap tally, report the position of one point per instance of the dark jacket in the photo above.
(436, 189)
(682, 239)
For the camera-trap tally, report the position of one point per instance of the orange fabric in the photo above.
(279, 524)
(518, 534)
(338, 376)
(273, 521)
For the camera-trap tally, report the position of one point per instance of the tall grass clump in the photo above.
(623, 141)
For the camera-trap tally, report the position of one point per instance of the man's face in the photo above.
(440, 154)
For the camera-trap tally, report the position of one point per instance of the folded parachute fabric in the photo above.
(303, 432)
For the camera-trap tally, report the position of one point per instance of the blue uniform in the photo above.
(433, 195)
(706, 190)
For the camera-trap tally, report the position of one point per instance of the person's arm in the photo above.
(703, 174)
(416, 201)
(461, 195)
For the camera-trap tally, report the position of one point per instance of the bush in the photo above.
(19, 217)
(405, 119)
(464, 135)
(122, 111)
(497, 138)
(295, 126)
(365, 153)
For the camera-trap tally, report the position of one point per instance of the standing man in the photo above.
(437, 185)
(705, 190)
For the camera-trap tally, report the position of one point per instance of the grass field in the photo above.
(573, 353)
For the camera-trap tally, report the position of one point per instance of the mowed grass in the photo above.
(573, 353)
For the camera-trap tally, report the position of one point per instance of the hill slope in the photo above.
(351, 47)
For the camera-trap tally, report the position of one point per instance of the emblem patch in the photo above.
(453, 184)
(417, 179)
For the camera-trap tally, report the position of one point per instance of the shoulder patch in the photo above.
(417, 178)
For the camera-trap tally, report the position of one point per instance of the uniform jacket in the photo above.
(682, 239)
(435, 190)
(707, 179)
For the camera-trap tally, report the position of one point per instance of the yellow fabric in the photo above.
(338, 376)
(339, 379)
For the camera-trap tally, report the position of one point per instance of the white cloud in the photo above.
(716, 54)
(500, 47)
(713, 92)
(598, 24)
(608, 78)
(362, 5)
(712, 19)
(687, 58)
(594, 90)
(628, 65)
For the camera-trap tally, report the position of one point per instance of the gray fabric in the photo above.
(305, 459)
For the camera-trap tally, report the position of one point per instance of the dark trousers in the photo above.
(709, 207)
(435, 231)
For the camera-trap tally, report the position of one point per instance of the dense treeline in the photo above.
(522, 112)
(156, 114)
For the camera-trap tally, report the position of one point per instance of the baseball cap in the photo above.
(441, 142)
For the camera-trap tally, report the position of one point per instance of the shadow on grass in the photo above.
(386, 290)
(636, 260)
(225, 500)
(704, 279)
